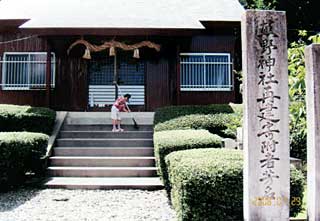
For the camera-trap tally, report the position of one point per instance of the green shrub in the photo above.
(297, 184)
(297, 95)
(298, 145)
(224, 125)
(26, 118)
(237, 108)
(166, 142)
(167, 113)
(298, 131)
(207, 184)
(20, 152)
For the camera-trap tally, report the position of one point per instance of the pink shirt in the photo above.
(120, 103)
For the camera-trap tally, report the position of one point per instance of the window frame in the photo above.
(29, 86)
(204, 63)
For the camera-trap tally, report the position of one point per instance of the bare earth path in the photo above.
(78, 205)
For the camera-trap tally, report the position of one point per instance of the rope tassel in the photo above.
(112, 51)
(136, 53)
(87, 54)
(112, 45)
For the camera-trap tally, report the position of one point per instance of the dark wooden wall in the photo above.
(157, 86)
(71, 90)
(207, 44)
(162, 84)
(34, 97)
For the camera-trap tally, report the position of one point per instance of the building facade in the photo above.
(195, 63)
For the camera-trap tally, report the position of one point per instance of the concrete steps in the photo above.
(69, 171)
(145, 183)
(100, 142)
(106, 134)
(88, 155)
(125, 120)
(142, 118)
(98, 161)
(103, 127)
(103, 151)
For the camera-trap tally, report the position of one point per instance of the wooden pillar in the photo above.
(312, 60)
(48, 74)
(266, 116)
(115, 75)
(178, 74)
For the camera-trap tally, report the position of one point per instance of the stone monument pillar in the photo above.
(266, 116)
(312, 60)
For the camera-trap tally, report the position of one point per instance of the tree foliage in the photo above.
(297, 93)
(301, 15)
(259, 4)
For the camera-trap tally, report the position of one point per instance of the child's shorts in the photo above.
(115, 113)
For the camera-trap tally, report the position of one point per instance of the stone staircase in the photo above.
(88, 155)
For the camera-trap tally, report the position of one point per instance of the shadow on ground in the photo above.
(16, 197)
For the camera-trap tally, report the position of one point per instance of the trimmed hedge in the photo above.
(224, 125)
(166, 142)
(207, 184)
(26, 118)
(20, 152)
(167, 113)
(297, 184)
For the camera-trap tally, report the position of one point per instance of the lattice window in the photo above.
(26, 70)
(205, 72)
(130, 70)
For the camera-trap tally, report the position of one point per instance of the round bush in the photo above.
(166, 142)
(167, 113)
(20, 152)
(26, 118)
(207, 184)
(224, 125)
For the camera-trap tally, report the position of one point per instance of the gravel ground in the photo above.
(68, 205)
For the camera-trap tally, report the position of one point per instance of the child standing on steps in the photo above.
(120, 105)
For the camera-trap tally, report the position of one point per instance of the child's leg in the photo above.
(119, 121)
(119, 124)
(114, 118)
(114, 123)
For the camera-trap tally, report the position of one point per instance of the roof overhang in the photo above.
(220, 24)
(100, 15)
(11, 24)
(208, 26)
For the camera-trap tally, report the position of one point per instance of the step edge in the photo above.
(102, 139)
(99, 168)
(107, 131)
(108, 184)
(142, 125)
(103, 147)
(102, 158)
(115, 178)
